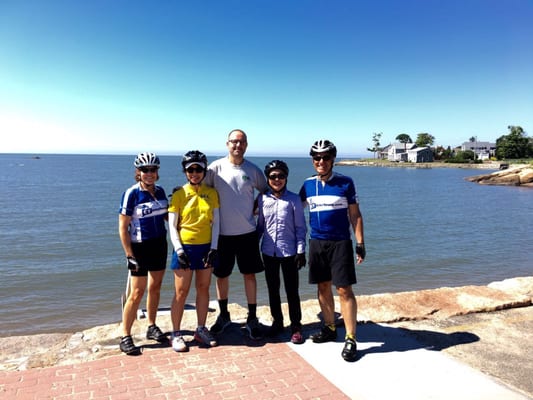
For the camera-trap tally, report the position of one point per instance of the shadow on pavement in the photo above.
(390, 339)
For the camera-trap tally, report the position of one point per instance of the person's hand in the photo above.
(209, 259)
(360, 251)
(183, 260)
(132, 264)
(300, 260)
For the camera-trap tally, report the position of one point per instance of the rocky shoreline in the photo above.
(44, 350)
(427, 165)
(521, 175)
(514, 175)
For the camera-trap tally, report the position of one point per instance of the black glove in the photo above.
(300, 261)
(131, 262)
(360, 250)
(183, 260)
(209, 259)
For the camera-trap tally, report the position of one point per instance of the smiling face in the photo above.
(237, 144)
(277, 180)
(147, 175)
(323, 163)
(195, 173)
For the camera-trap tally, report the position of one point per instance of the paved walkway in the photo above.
(392, 364)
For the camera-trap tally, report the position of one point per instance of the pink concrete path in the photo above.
(263, 371)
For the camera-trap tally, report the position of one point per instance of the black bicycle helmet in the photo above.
(193, 157)
(323, 146)
(276, 164)
(146, 159)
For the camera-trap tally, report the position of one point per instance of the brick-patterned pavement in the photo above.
(248, 370)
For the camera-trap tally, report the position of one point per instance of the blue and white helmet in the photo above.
(146, 159)
(323, 146)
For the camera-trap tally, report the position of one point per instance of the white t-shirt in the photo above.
(235, 185)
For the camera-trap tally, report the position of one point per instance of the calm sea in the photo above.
(63, 268)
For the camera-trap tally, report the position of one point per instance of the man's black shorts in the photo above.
(332, 261)
(243, 248)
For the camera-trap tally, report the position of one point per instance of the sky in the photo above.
(121, 77)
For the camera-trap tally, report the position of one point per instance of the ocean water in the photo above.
(63, 268)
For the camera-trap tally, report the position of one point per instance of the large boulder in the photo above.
(521, 175)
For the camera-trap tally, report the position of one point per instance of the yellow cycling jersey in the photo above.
(195, 212)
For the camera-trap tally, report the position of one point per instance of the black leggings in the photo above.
(291, 283)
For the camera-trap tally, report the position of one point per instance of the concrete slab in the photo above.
(392, 364)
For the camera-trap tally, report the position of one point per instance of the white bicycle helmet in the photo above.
(146, 159)
(323, 146)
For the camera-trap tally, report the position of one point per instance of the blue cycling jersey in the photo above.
(148, 213)
(328, 206)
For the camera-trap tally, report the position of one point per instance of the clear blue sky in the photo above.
(170, 76)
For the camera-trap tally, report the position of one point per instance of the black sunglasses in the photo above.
(277, 176)
(237, 141)
(148, 169)
(190, 170)
(326, 157)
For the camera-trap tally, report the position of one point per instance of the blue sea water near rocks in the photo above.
(63, 267)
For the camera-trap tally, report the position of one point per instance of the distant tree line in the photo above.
(516, 144)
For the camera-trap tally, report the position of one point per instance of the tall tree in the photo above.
(424, 139)
(514, 145)
(376, 137)
(404, 138)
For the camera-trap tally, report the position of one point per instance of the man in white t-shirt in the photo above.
(237, 180)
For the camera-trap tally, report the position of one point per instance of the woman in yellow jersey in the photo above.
(194, 228)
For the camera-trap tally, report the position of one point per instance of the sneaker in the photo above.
(297, 338)
(203, 335)
(275, 329)
(155, 333)
(127, 346)
(254, 329)
(349, 352)
(178, 343)
(222, 322)
(325, 335)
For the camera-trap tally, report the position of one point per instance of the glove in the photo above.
(132, 264)
(209, 259)
(360, 250)
(183, 260)
(300, 261)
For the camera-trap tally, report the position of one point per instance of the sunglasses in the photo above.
(236, 141)
(326, 157)
(148, 169)
(277, 176)
(199, 170)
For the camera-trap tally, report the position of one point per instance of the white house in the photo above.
(398, 151)
(483, 150)
(420, 154)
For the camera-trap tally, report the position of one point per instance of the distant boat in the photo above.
(36, 157)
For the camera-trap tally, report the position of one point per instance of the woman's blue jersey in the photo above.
(148, 214)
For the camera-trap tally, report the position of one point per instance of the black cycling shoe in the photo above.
(275, 329)
(325, 335)
(349, 352)
(155, 333)
(127, 346)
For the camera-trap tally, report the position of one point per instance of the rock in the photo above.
(526, 176)
(521, 175)
(43, 350)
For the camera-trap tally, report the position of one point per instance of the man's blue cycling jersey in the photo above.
(328, 206)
